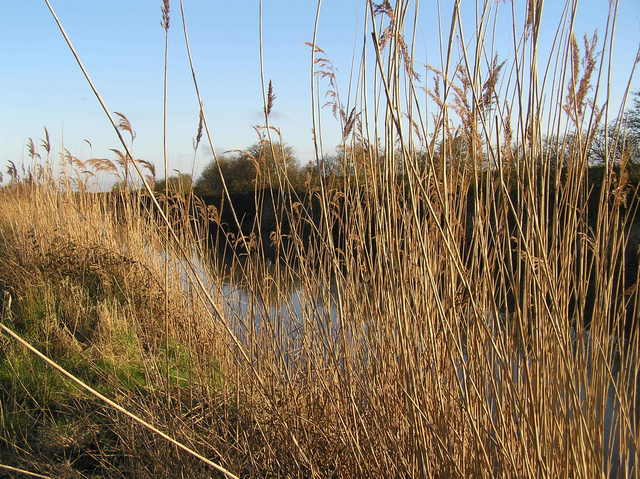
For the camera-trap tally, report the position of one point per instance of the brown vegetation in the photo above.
(422, 344)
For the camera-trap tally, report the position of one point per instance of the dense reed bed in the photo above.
(457, 299)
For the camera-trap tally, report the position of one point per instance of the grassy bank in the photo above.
(84, 286)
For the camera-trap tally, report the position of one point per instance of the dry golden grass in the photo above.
(460, 310)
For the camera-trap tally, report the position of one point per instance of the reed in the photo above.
(460, 300)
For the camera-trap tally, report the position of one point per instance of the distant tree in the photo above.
(328, 168)
(329, 165)
(181, 183)
(632, 124)
(556, 150)
(462, 152)
(262, 165)
(238, 174)
(122, 185)
(621, 138)
(632, 118)
(353, 159)
(274, 162)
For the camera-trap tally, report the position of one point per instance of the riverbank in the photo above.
(335, 357)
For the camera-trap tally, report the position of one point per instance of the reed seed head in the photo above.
(166, 8)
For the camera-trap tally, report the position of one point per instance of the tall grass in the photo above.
(463, 305)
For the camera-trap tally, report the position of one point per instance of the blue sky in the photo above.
(121, 44)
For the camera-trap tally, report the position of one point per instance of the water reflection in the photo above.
(265, 298)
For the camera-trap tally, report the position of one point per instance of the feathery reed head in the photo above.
(384, 9)
(72, 160)
(198, 137)
(270, 99)
(314, 48)
(12, 171)
(125, 125)
(122, 158)
(579, 85)
(166, 7)
(45, 143)
(32, 150)
(489, 86)
(102, 164)
(150, 167)
(349, 122)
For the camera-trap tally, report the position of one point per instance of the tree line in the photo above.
(274, 165)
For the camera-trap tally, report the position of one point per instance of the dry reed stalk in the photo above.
(166, 8)
(22, 471)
